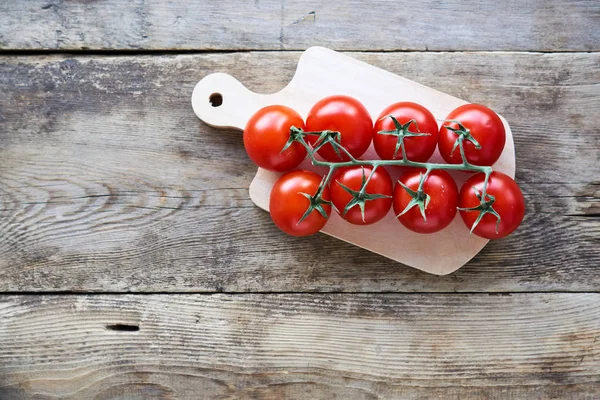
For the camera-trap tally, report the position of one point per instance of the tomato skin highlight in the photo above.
(485, 126)
(351, 177)
(345, 115)
(267, 132)
(418, 148)
(442, 206)
(287, 205)
(509, 204)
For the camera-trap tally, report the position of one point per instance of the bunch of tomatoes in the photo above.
(425, 199)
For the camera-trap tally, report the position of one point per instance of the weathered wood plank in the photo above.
(108, 182)
(534, 346)
(552, 25)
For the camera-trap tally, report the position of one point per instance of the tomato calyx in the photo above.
(402, 132)
(296, 135)
(325, 137)
(360, 197)
(332, 137)
(316, 203)
(463, 134)
(419, 197)
(484, 207)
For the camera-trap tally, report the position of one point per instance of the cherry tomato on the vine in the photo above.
(440, 209)
(376, 198)
(343, 114)
(288, 203)
(266, 134)
(418, 148)
(483, 125)
(508, 203)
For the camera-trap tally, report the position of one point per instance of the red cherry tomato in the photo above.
(439, 211)
(486, 128)
(418, 148)
(508, 203)
(343, 114)
(287, 204)
(353, 178)
(266, 134)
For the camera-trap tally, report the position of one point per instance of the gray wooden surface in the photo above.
(316, 346)
(541, 25)
(109, 185)
(107, 171)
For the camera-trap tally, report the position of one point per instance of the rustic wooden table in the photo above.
(133, 264)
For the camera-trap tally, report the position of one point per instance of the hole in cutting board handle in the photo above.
(215, 99)
(222, 101)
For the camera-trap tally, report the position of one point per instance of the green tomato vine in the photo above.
(420, 199)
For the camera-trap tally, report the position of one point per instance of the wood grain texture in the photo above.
(108, 182)
(324, 346)
(553, 25)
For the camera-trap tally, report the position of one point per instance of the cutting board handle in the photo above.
(222, 101)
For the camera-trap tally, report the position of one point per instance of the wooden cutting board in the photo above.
(322, 72)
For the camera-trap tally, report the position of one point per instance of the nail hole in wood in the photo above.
(123, 328)
(215, 99)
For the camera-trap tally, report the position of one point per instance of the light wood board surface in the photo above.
(352, 346)
(320, 73)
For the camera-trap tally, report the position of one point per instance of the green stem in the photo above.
(463, 157)
(374, 164)
(332, 165)
(423, 179)
(485, 182)
(403, 163)
(403, 148)
(339, 146)
(364, 187)
(325, 181)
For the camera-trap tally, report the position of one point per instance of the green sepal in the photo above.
(484, 207)
(463, 134)
(401, 132)
(316, 203)
(332, 137)
(360, 197)
(419, 199)
(296, 135)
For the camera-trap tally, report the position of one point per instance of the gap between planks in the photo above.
(277, 293)
(159, 52)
